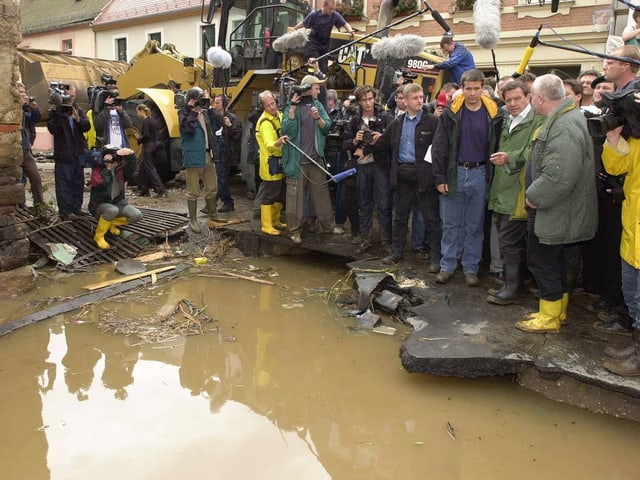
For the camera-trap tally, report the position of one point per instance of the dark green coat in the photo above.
(563, 186)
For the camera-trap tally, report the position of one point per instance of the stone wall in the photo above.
(14, 245)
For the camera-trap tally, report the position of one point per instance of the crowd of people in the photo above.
(507, 173)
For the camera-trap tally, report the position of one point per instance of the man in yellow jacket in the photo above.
(270, 143)
(622, 156)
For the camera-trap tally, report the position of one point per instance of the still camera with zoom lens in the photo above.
(621, 109)
(95, 158)
(367, 132)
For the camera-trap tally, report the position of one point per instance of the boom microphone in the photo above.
(290, 41)
(528, 52)
(438, 18)
(219, 57)
(398, 46)
(486, 21)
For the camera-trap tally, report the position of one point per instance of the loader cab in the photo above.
(251, 38)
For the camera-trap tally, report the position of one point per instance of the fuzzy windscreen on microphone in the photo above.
(399, 46)
(219, 57)
(290, 41)
(486, 20)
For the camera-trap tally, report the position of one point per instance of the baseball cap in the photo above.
(441, 101)
(596, 81)
(311, 80)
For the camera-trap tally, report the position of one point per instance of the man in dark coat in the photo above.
(67, 123)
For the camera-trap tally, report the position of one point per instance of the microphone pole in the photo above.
(336, 178)
(528, 52)
(427, 8)
(589, 52)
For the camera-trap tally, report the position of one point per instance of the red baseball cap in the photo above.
(441, 101)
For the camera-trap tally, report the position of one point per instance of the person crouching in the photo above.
(107, 201)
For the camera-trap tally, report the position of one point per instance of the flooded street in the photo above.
(279, 388)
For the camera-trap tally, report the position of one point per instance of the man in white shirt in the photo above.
(515, 143)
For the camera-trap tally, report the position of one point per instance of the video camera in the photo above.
(287, 87)
(407, 76)
(59, 98)
(621, 109)
(97, 94)
(181, 101)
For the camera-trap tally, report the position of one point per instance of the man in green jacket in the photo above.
(305, 123)
(560, 197)
(515, 145)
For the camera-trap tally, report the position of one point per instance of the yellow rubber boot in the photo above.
(277, 210)
(266, 218)
(546, 320)
(101, 229)
(115, 223)
(565, 304)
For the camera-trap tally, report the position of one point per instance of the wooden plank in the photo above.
(84, 299)
(108, 283)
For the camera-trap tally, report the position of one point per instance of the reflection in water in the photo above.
(22, 436)
(276, 393)
(80, 360)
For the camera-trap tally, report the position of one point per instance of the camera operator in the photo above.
(67, 123)
(372, 176)
(111, 122)
(107, 201)
(30, 116)
(198, 147)
(306, 123)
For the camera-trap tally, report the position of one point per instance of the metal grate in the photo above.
(79, 234)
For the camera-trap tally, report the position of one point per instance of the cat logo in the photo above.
(354, 53)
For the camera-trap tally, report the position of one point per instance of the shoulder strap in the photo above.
(273, 124)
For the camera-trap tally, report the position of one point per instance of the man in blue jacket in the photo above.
(460, 59)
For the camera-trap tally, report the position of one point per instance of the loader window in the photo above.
(208, 33)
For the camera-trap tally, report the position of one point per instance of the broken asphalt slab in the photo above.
(459, 334)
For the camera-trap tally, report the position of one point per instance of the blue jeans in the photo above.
(463, 217)
(224, 194)
(631, 291)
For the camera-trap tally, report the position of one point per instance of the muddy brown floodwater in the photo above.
(284, 390)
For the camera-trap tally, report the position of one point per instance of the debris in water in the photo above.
(451, 431)
(368, 319)
(385, 330)
(186, 319)
(290, 306)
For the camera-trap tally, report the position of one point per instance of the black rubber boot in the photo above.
(629, 367)
(510, 293)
